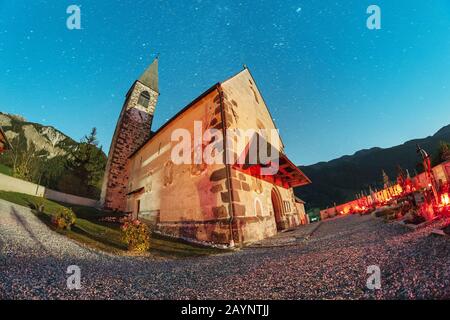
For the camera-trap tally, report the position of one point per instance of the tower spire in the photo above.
(150, 76)
(132, 131)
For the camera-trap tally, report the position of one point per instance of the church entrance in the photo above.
(276, 204)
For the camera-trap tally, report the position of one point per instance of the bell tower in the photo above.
(133, 129)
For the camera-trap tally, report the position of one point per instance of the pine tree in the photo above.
(87, 164)
(443, 153)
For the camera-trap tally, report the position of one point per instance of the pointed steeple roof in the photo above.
(150, 76)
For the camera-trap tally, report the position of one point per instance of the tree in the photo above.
(52, 170)
(87, 164)
(443, 153)
(23, 159)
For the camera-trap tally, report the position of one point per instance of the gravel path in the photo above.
(331, 264)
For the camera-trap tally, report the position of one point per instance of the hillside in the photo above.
(45, 155)
(48, 141)
(340, 179)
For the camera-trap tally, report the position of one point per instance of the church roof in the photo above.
(214, 87)
(287, 174)
(176, 116)
(150, 76)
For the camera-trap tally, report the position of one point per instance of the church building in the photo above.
(4, 144)
(218, 203)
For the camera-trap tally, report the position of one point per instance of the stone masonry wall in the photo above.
(254, 218)
(189, 201)
(133, 129)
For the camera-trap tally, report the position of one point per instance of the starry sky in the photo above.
(332, 85)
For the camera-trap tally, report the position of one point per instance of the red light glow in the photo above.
(445, 199)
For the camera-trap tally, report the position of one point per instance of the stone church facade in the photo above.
(220, 203)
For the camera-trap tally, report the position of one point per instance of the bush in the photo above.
(136, 235)
(413, 217)
(65, 219)
(383, 212)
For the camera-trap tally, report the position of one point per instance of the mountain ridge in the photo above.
(43, 137)
(338, 180)
(45, 155)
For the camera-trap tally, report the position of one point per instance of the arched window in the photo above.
(144, 99)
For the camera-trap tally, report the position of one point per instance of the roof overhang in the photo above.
(279, 170)
(297, 199)
(137, 191)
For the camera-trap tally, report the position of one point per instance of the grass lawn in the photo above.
(106, 236)
(5, 170)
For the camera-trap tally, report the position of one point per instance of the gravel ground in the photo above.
(331, 264)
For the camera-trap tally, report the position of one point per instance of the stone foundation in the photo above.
(213, 232)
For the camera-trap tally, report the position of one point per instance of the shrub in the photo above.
(136, 235)
(65, 219)
(383, 212)
(413, 217)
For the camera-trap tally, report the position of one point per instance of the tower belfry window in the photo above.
(144, 99)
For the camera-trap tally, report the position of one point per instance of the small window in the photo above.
(144, 99)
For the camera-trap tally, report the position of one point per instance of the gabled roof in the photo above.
(150, 76)
(287, 174)
(302, 178)
(176, 116)
(247, 70)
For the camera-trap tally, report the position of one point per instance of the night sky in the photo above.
(332, 85)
